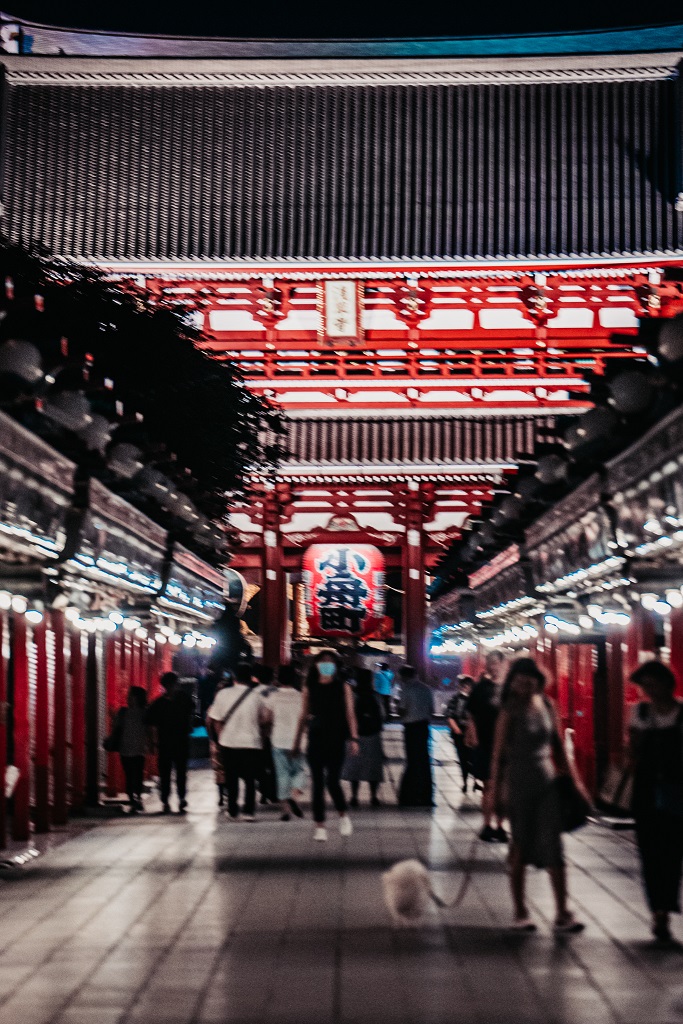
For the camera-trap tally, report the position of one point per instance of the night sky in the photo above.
(352, 19)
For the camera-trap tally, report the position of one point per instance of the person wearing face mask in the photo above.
(328, 714)
(528, 755)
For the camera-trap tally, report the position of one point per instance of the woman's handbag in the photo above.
(574, 808)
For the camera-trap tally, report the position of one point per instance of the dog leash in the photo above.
(468, 874)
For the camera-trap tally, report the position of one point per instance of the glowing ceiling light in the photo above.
(34, 616)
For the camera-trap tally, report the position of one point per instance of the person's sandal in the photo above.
(568, 925)
(523, 924)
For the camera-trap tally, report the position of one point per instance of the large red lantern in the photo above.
(344, 589)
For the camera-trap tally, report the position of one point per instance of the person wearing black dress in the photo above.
(328, 714)
(656, 750)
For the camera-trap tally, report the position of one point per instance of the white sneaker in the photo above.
(320, 834)
(345, 826)
(248, 817)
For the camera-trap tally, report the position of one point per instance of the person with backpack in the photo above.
(238, 716)
(368, 764)
(656, 756)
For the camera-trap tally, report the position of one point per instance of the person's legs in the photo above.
(181, 759)
(518, 882)
(129, 773)
(355, 786)
(232, 779)
(462, 752)
(316, 763)
(333, 767)
(165, 762)
(138, 777)
(250, 762)
(374, 799)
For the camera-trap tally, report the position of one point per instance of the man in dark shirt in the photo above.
(483, 707)
(171, 718)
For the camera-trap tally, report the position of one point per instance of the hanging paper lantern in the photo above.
(671, 339)
(235, 592)
(344, 589)
(551, 469)
(21, 359)
(97, 434)
(631, 392)
(70, 409)
(125, 460)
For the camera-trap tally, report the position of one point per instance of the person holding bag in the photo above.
(238, 715)
(656, 756)
(528, 759)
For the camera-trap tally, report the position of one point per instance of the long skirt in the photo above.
(660, 844)
(417, 787)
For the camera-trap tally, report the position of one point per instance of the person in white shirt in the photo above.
(238, 715)
(284, 708)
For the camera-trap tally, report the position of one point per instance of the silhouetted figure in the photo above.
(328, 713)
(171, 717)
(656, 732)
(368, 764)
(416, 710)
(132, 743)
(528, 756)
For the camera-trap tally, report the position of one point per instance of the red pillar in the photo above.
(77, 722)
(3, 732)
(114, 770)
(21, 730)
(676, 622)
(614, 650)
(41, 766)
(59, 781)
(274, 604)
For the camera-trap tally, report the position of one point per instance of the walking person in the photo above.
(238, 714)
(328, 713)
(482, 709)
(416, 711)
(130, 731)
(222, 682)
(265, 776)
(284, 709)
(457, 718)
(383, 681)
(656, 754)
(368, 764)
(171, 716)
(528, 756)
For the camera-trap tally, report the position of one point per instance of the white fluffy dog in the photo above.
(407, 892)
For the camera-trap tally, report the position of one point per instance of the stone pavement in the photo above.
(197, 920)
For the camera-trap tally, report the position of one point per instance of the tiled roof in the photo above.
(343, 172)
(440, 441)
